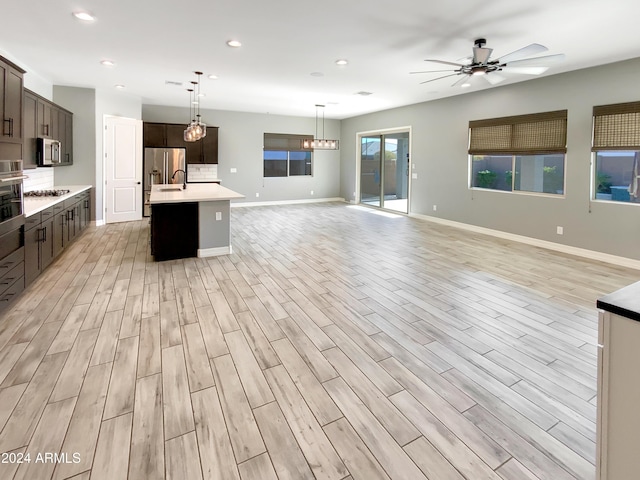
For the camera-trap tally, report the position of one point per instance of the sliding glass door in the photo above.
(384, 170)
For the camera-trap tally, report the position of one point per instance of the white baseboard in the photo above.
(214, 252)
(558, 247)
(286, 202)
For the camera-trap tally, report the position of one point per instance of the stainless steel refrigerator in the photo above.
(159, 166)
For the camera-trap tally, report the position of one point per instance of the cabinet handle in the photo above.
(45, 234)
(42, 235)
(4, 130)
(7, 265)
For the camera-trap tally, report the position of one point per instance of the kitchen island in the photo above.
(190, 222)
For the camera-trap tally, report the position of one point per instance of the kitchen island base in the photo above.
(195, 221)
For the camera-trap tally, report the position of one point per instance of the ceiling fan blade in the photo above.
(432, 71)
(494, 78)
(526, 70)
(446, 63)
(439, 78)
(462, 80)
(536, 62)
(527, 51)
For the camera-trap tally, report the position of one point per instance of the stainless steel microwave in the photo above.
(48, 152)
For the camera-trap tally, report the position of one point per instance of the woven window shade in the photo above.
(616, 127)
(523, 134)
(288, 142)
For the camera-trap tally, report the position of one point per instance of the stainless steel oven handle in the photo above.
(13, 179)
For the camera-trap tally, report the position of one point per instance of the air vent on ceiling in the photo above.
(364, 94)
(172, 83)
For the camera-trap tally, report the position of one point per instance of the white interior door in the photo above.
(123, 169)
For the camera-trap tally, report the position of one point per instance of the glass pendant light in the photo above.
(196, 130)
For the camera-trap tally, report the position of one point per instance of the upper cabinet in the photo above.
(171, 135)
(30, 117)
(10, 110)
(44, 119)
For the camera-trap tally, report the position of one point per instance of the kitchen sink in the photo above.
(170, 189)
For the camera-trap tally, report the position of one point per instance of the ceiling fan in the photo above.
(482, 65)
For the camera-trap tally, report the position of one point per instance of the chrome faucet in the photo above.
(184, 178)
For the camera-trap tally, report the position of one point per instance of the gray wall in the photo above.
(82, 102)
(439, 152)
(89, 107)
(240, 146)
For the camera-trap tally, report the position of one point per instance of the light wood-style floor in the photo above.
(332, 344)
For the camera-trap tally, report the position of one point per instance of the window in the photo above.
(284, 155)
(525, 153)
(616, 148)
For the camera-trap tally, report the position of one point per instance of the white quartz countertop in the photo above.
(33, 205)
(195, 192)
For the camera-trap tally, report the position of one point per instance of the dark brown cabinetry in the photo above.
(44, 119)
(10, 110)
(171, 135)
(49, 232)
(174, 230)
(38, 244)
(65, 120)
(11, 265)
(30, 119)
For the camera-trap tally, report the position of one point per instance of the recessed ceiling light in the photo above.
(108, 63)
(341, 62)
(84, 16)
(213, 77)
(465, 85)
(317, 74)
(202, 95)
(234, 43)
(119, 87)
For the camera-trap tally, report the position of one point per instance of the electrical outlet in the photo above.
(311, 192)
(218, 216)
(560, 230)
(435, 208)
(414, 175)
(257, 194)
(233, 170)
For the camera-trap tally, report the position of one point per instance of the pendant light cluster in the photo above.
(321, 143)
(196, 130)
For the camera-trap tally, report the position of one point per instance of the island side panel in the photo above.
(214, 235)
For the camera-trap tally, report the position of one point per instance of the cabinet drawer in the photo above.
(32, 221)
(47, 214)
(11, 293)
(10, 261)
(58, 207)
(10, 277)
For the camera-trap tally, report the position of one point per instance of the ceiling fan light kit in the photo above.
(482, 65)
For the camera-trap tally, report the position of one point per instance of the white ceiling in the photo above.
(284, 41)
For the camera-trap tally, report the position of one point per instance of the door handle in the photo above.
(138, 183)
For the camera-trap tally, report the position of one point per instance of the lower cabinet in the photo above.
(38, 244)
(11, 266)
(49, 232)
(174, 230)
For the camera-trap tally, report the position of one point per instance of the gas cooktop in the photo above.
(46, 193)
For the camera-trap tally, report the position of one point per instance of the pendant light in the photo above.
(196, 130)
(321, 143)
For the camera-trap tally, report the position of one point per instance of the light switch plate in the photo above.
(218, 216)
(233, 170)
